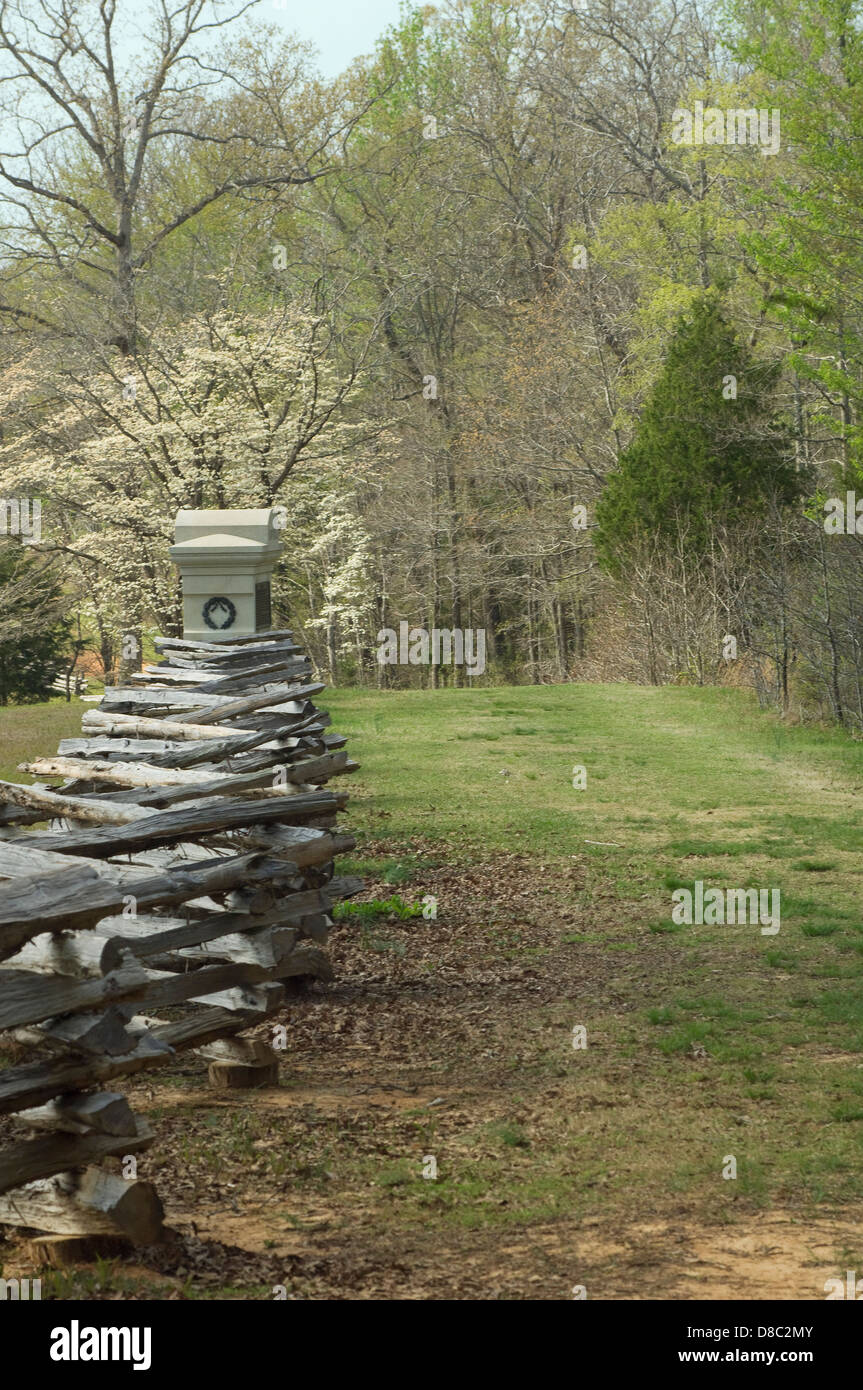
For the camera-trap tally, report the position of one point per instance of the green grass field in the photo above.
(664, 767)
(33, 731)
(682, 784)
(703, 1042)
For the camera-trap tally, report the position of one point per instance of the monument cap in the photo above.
(226, 559)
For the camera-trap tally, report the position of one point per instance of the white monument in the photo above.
(225, 560)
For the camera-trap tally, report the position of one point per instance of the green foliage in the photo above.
(809, 54)
(33, 635)
(378, 907)
(700, 454)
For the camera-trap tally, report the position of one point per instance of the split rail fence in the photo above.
(185, 877)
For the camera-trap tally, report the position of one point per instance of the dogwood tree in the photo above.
(217, 413)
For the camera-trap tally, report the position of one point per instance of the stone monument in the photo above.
(225, 560)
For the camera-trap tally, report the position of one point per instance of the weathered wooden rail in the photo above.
(186, 874)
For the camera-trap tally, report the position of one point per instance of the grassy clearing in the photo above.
(677, 771)
(682, 784)
(34, 731)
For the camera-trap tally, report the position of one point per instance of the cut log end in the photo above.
(90, 1204)
(243, 1076)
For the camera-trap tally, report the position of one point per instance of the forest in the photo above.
(523, 335)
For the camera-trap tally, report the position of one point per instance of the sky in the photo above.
(341, 30)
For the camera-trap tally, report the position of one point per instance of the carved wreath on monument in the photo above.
(219, 613)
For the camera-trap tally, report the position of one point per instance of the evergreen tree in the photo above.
(33, 633)
(708, 449)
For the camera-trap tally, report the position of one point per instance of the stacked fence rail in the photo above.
(185, 875)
